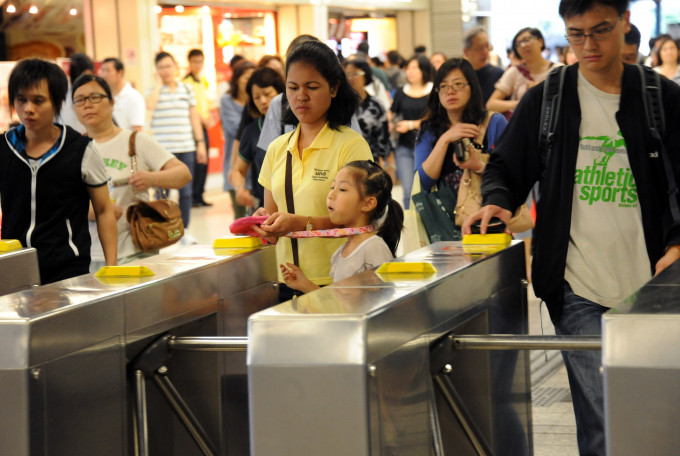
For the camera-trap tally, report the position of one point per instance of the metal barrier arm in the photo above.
(524, 342)
(229, 344)
(151, 364)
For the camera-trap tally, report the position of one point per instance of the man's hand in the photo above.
(671, 256)
(485, 214)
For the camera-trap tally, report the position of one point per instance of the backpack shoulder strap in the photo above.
(652, 99)
(651, 89)
(550, 111)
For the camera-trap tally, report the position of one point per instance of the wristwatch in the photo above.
(309, 226)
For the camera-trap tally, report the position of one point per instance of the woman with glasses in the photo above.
(528, 45)
(455, 110)
(408, 108)
(371, 114)
(668, 58)
(156, 167)
(49, 175)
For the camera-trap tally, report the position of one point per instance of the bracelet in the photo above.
(410, 125)
(200, 140)
(309, 226)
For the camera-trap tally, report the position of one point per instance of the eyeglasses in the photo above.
(525, 41)
(95, 98)
(355, 75)
(597, 34)
(456, 87)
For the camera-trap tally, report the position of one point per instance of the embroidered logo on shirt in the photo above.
(320, 175)
(599, 182)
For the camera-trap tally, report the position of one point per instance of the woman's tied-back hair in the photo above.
(374, 181)
(85, 78)
(324, 60)
(241, 67)
(29, 72)
(263, 77)
(436, 120)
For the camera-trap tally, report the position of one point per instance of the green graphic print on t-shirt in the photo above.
(599, 183)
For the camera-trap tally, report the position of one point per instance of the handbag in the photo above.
(153, 224)
(435, 209)
(470, 194)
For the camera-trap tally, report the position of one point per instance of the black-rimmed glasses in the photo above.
(600, 33)
(95, 98)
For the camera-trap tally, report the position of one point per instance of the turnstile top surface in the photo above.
(661, 295)
(378, 313)
(46, 322)
(38, 302)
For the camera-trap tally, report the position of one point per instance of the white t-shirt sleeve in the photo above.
(153, 155)
(370, 254)
(92, 167)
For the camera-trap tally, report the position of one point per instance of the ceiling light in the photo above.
(11, 8)
(179, 8)
(73, 12)
(157, 9)
(33, 9)
(205, 9)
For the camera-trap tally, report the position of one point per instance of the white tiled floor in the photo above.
(553, 425)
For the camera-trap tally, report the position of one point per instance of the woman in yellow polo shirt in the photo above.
(322, 101)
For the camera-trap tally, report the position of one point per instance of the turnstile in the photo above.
(348, 369)
(66, 347)
(18, 270)
(641, 365)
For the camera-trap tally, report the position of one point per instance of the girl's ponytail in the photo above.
(391, 228)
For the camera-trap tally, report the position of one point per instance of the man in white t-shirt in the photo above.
(604, 221)
(129, 109)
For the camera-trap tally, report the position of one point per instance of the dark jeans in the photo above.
(189, 159)
(200, 174)
(581, 317)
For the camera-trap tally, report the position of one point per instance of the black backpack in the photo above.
(654, 113)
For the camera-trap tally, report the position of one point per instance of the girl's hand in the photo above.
(459, 131)
(296, 279)
(474, 163)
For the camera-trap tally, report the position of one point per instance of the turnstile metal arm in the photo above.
(229, 344)
(525, 342)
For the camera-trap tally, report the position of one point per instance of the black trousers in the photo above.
(200, 175)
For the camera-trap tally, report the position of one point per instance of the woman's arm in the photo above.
(173, 174)
(497, 102)
(106, 222)
(430, 162)
(237, 177)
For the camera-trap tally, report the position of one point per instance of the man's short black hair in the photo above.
(569, 8)
(363, 47)
(29, 72)
(195, 53)
(161, 55)
(633, 36)
(420, 49)
(394, 58)
(80, 63)
(117, 64)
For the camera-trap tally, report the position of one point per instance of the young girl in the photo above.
(323, 102)
(361, 195)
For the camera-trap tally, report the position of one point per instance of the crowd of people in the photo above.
(314, 142)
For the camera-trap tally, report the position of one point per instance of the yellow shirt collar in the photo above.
(323, 139)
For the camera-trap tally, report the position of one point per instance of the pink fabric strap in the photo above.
(334, 232)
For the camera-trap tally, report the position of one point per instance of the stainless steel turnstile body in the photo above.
(641, 358)
(346, 370)
(64, 389)
(18, 270)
